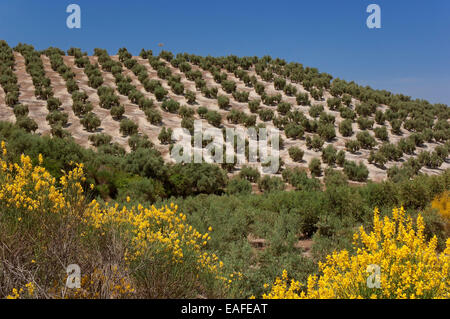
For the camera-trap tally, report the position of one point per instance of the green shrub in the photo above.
(165, 136)
(381, 133)
(315, 143)
(90, 121)
(366, 140)
(315, 110)
(128, 127)
(315, 167)
(117, 112)
(100, 139)
(271, 184)
(223, 101)
(214, 118)
(237, 186)
(249, 173)
(352, 146)
(356, 172)
(329, 154)
(170, 105)
(57, 117)
(345, 128)
(296, 154)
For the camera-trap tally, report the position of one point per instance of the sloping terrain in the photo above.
(315, 113)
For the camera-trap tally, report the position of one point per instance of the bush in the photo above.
(315, 110)
(223, 101)
(265, 115)
(340, 158)
(228, 86)
(90, 121)
(170, 105)
(165, 136)
(369, 249)
(53, 104)
(117, 112)
(57, 117)
(296, 154)
(160, 93)
(190, 97)
(381, 133)
(153, 116)
(214, 118)
(20, 110)
(355, 172)
(137, 141)
(100, 139)
(28, 124)
(316, 143)
(283, 108)
(315, 167)
(326, 131)
(329, 154)
(345, 128)
(128, 127)
(250, 174)
(238, 186)
(294, 131)
(271, 184)
(352, 146)
(366, 140)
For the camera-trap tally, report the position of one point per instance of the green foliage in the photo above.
(316, 143)
(315, 167)
(90, 121)
(271, 184)
(165, 136)
(296, 154)
(100, 139)
(326, 131)
(128, 127)
(238, 186)
(329, 154)
(117, 111)
(214, 118)
(170, 105)
(345, 128)
(223, 101)
(315, 110)
(352, 146)
(356, 172)
(366, 140)
(381, 133)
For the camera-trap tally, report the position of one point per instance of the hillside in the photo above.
(104, 99)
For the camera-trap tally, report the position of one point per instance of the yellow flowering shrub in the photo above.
(410, 267)
(147, 244)
(441, 203)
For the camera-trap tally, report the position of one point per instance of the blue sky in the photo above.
(410, 54)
